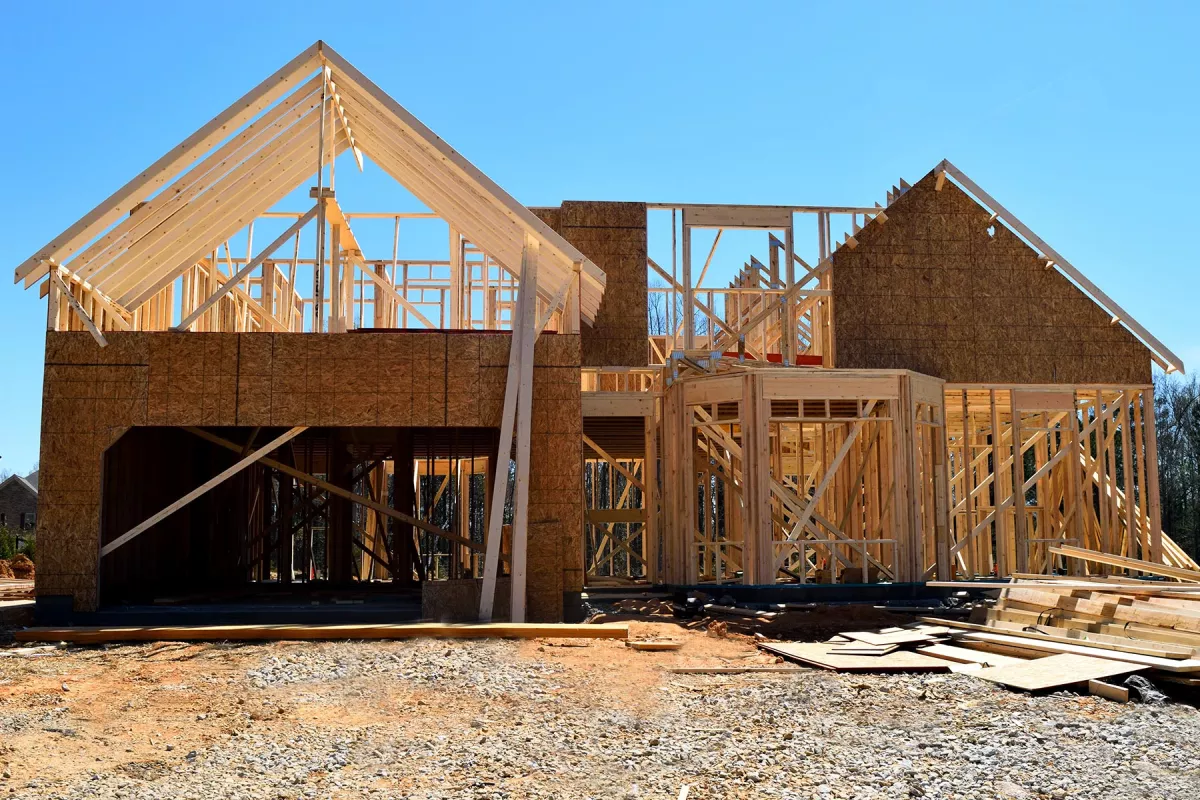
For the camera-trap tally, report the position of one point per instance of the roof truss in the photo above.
(266, 145)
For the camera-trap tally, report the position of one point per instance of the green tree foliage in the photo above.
(1177, 416)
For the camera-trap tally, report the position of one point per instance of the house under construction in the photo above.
(251, 388)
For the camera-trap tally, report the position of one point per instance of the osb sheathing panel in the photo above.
(91, 395)
(613, 236)
(930, 290)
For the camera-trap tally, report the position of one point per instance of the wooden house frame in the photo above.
(373, 418)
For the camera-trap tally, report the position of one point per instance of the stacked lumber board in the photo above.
(13, 589)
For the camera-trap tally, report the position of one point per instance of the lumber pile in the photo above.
(1043, 633)
(1152, 624)
(11, 589)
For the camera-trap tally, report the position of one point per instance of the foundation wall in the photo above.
(92, 395)
(931, 291)
(613, 236)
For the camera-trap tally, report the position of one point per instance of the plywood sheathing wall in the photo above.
(613, 236)
(930, 290)
(92, 395)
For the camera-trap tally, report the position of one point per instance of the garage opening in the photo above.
(334, 515)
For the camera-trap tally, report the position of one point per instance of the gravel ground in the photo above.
(491, 719)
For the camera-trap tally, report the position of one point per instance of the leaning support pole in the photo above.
(518, 393)
(491, 562)
(203, 488)
(529, 259)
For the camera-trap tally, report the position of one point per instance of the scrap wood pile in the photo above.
(1042, 633)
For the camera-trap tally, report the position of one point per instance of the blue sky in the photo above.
(1080, 117)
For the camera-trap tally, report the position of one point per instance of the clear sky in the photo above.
(1081, 118)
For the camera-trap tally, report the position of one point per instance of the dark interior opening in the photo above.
(308, 523)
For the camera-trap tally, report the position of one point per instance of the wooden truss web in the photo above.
(175, 215)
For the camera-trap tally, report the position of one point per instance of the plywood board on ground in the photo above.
(964, 655)
(863, 649)
(1054, 671)
(821, 654)
(896, 637)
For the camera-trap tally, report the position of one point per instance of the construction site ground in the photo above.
(556, 719)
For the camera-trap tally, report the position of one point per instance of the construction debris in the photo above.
(1040, 634)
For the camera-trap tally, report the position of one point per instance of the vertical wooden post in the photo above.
(941, 507)
(286, 517)
(337, 313)
(404, 493)
(456, 281)
(650, 533)
(1020, 533)
(1075, 477)
(1127, 439)
(1155, 521)
(999, 518)
(787, 305)
(52, 303)
(338, 540)
(904, 505)
(689, 308)
(1138, 436)
(758, 552)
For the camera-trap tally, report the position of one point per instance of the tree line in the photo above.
(1177, 417)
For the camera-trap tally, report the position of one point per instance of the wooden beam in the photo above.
(433, 630)
(203, 488)
(529, 270)
(491, 561)
(1148, 567)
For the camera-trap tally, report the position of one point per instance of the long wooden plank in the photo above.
(1127, 563)
(1188, 665)
(210, 633)
(1053, 671)
(491, 561)
(203, 488)
(1050, 633)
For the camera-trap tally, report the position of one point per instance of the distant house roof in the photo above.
(19, 481)
(31, 479)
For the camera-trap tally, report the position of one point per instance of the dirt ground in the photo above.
(553, 718)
